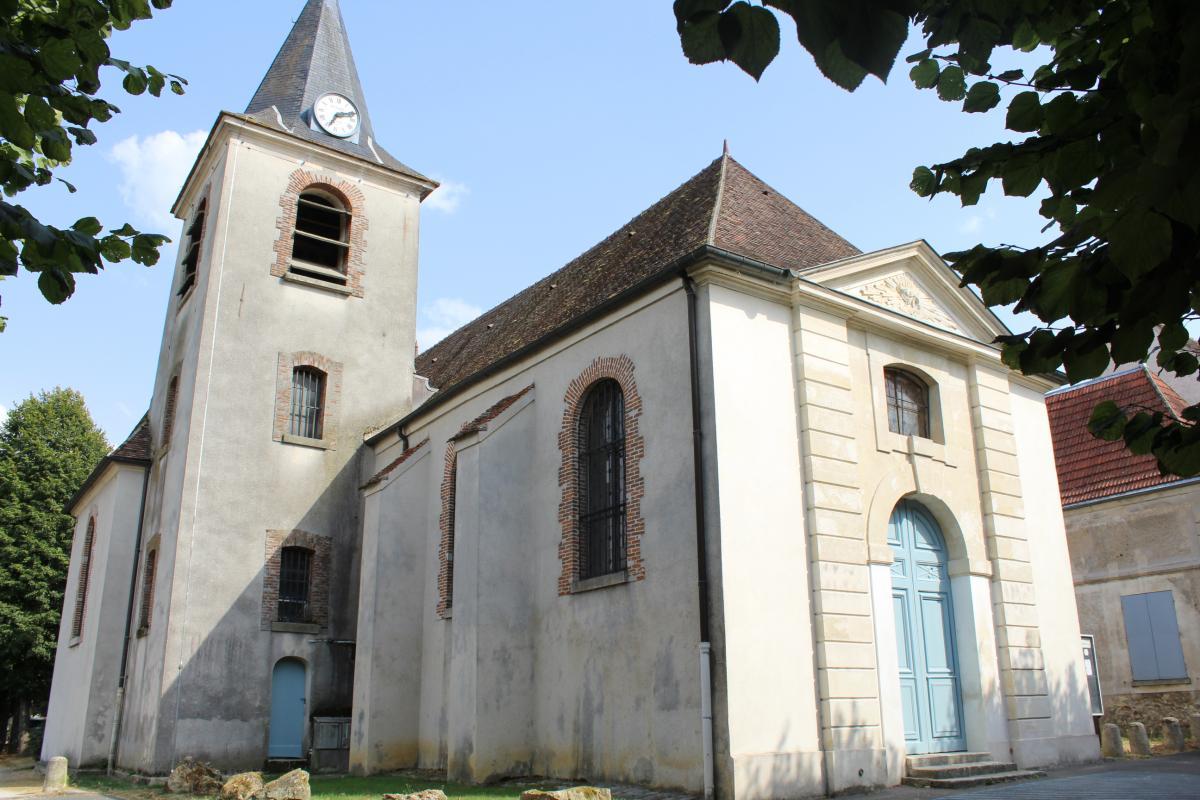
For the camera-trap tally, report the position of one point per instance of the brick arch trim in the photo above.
(355, 201)
(318, 591)
(445, 579)
(284, 366)
(618, 368)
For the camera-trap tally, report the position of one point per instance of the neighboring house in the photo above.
(723, 505)
(1134, 537)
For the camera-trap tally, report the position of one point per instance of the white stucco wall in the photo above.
(86, 669)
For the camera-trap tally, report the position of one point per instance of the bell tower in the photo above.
(289, 333)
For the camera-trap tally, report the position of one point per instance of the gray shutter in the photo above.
(1167, 649)
(1139, 637)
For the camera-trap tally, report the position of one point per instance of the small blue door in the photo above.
(287, 709)
(929, 681)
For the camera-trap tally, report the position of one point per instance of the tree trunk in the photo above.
(18, 728)
(5, 715)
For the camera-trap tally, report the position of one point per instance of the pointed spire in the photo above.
(315, 60)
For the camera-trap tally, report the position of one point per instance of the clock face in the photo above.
(336, 114)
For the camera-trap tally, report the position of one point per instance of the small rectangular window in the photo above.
(1152, 634)
(147, 608)
(294, 567)
(308, 400)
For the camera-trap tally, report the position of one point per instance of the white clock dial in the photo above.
(336, 114)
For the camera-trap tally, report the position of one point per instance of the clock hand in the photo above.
(343, 114)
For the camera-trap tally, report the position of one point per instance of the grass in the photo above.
(324, 787)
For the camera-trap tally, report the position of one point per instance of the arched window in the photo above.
(295, 567)
(308, 401)
(907, 403)
(147, 607)
(85, 572)
(191, 257)
(602, 481)
(321, 242)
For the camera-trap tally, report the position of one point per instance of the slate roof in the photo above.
(136, 449)
(724, 207)
(316, 59)
(1090, 468)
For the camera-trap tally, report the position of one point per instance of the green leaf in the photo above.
(1132, 341)
(1024, 113)
(89, 226)
(1086, 357)
(983, 96)
(1021, 176)
(13, 125)
(925, 74)
(1172, 336)
(115, 249)
(39, 114)
(1139, 241)
(135, 81)
(56, 284)
(952, 84)
(701, 41)
(924, 183)
(60, 59)
(751, 37)
(1011, 75)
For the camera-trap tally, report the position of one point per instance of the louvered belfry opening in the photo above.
(295, 566)
(85, 571)
(907, 403)
(321, 242)
(308, 400)
(147, 608)
(602, 481)
(191, 258)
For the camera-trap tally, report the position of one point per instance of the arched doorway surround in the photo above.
(288, 709)
(969, 570)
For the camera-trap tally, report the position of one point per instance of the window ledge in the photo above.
(295, 627)
(599, 582)
(142, 631)
(1164, 682)
(317, 283)
(183, 298)
(304, 441)
(74, 641)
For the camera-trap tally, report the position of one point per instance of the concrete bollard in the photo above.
(1110, 742)
(1196, 728)
(56, 775)
(1173, 735)
(1139, 742)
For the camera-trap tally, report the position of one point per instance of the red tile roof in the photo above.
(723, 206)
(1090, 468)
(136, 449)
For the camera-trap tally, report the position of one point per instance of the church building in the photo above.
(723, 506)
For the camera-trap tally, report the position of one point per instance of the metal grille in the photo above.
(294, 565)
(908, 404)
(308, 397)
(85, 571)
(602, 481)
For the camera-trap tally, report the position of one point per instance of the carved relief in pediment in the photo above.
(901, 293)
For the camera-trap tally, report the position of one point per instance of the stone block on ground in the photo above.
(425, 794)
(194, 777)
(1110, 741)
(570, 793)
(242, 786)
(1139, 742)
(1173, 735)
(289, 786)
(56, 775)
(1195, 728)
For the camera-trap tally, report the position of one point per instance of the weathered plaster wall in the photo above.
(1147, 542)
(86, 670)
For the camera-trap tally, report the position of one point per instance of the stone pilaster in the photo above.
(848, 686)
(1014, 600)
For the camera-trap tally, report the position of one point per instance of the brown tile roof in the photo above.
(723, 206)
(136, 449)
(383, 473)
(1090, 468)
(480, 423)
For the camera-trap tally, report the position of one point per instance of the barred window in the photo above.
(85, 571)
(295, 565)
(191, 258)
(321, 241)
(307, 416)
(147, 607)
(907, 403)
(602, 481)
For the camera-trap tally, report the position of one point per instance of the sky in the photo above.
(549, 124)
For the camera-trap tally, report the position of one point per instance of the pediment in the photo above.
(914, 281)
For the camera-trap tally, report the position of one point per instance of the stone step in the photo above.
(944, 759)
(961, 770)
(971, 781)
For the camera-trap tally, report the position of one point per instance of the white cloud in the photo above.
(973, 224)
(447, 197)
(441, 318)
(153, 169)
(3, 415)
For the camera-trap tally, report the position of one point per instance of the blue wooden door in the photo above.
(287, 710)
(924, 616)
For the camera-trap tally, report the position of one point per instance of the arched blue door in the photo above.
(929, 681)
(287, 709)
